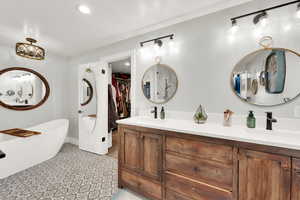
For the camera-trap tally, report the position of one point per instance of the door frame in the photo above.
(133, 77)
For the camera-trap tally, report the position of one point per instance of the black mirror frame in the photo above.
(92, 92)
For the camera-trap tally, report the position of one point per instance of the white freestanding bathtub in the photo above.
(22, 153)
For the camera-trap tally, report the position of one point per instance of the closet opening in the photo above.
(120, 82)
(121, 85)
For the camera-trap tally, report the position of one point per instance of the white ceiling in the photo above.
(62, 29)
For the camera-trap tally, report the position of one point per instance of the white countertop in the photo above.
(278, 138)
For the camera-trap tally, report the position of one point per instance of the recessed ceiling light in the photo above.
(84, 9)
(127, 63)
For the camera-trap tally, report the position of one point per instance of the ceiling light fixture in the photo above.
(29, 50)
(84, 9)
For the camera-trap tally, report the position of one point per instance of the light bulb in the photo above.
(84, 9)
(145, 53)
(173, 47)
(234, 27)
(287, 27)
(264, 21)
(127, 63)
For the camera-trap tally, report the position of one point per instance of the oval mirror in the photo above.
(267, 77)
(22, 89)
(88, 92)
(159, 83)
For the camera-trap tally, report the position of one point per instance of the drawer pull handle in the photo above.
(297, 172)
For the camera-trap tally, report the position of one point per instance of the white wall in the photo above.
(204, 58)
(55, 70)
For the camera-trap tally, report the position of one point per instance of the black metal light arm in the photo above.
(171, 36)
(264, 10)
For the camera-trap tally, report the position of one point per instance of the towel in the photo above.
(112, 114)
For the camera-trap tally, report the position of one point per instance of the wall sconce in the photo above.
(261, 15)
(234, 25)
(29, 50)
(298, 11)
(158, 41)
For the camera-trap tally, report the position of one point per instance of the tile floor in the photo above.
(71, 175)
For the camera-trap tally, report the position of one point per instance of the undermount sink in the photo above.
(269, 132)
(147, 120)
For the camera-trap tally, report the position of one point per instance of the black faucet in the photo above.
(155, 112)
(270, 120)
(2, 155)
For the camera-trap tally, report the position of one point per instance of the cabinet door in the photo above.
(296, 180)
(151, 155)
(264, 176)
(130, 149)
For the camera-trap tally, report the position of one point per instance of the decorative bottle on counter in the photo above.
(251, 121)
(162, 113)
(227, 118)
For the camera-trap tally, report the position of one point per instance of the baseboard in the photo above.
(72, 140)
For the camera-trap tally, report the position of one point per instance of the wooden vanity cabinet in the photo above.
(264, 176)
(296, 179)
(130, 146)
(164, 165)
(151, 155)
(140, 162)
(198, 169)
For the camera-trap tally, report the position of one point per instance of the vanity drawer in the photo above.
(171, 195)
(142, 185)
(210, 151)
(195, 189)
(210, 172)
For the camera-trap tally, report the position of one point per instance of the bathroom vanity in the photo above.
(180, 160)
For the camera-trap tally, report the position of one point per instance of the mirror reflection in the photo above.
(87, 92)
(267, 77)
(23, 89)
(159, 83)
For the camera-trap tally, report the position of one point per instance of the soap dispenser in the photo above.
(251, 121)
(162, 113)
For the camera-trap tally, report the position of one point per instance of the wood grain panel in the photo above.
(142, 185)
(210, 151)
(296, 179)
(195, 189)
(264, 176)
(206, 171)
(172, 195)
(151, 146)
(131, 149)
